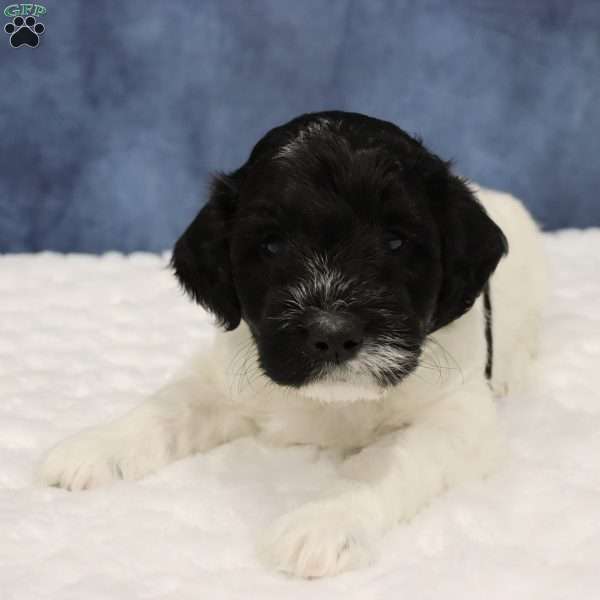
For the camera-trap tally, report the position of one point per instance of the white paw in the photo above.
(87, 460)
(318, 539)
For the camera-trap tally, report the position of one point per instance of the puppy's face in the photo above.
(336, 267)
(342, 243)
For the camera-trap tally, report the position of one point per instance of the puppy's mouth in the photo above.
(369, 376)
(365, 374)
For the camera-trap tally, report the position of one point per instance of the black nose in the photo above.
(333, 337)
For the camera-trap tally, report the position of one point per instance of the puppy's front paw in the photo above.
(86, 460)
(318, 539)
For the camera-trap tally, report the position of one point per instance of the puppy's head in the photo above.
(343, 243)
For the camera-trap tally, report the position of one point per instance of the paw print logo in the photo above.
(24, 32)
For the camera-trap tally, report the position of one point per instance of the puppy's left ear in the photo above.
(201, 258)
(471, 246)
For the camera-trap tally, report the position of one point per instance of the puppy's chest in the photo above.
(306, 422)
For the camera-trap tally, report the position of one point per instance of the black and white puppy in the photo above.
(350, 272)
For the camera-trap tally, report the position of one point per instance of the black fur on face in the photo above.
(343, 243)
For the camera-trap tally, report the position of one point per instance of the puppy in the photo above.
(351, 274)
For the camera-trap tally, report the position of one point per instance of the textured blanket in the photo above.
(83, 339)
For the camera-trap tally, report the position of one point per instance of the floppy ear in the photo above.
(471, 247)
(201, 259)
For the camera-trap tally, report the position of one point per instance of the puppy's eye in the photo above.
(393, 242)
(272, 246)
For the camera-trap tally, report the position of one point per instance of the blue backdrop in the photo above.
(110, 127)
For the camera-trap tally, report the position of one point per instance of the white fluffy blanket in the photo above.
(83, 339)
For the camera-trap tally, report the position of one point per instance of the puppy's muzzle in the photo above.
(332, 337)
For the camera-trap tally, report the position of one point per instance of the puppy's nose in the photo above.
(334, 337)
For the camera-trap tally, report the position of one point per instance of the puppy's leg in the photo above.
(452, 441)
(186, 416)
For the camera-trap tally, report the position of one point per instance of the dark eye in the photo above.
(393, 242)
(272, 246)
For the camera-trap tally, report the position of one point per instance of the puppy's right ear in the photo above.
(201, 259)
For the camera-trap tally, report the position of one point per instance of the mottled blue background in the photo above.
(110, 127)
